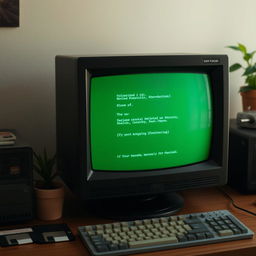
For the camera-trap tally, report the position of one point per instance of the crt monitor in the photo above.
(132, 130)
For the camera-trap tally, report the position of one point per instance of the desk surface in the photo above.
(197, 200)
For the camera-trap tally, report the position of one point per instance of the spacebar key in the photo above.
(158, 241)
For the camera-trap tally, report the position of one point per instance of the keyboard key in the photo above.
(187, 227)
(113, 247)
(192, 221)
(198, 230)
(226, 232)
(102, 248)
(88, 228)
(213, 223)
(236, 231)
(200, 236)
(167, 240)
(123, 246)
(182, 238)
(209, 235)
(197, 226)
(91, 233)
(116, 225)
(191, 237)
(14, 242)
(217, 228)
(99, 227)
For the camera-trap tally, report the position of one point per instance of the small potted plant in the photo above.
(248, 91)
(49, 193)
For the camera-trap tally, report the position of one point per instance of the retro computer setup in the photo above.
(133, 130)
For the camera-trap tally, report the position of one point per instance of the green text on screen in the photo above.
(149, 121)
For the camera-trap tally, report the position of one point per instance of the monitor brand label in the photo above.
(211, 61)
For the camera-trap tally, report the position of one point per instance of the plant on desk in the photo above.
(49, 193)
(248, 91)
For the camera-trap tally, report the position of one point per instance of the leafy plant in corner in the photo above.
(45, 167)
(249, 67)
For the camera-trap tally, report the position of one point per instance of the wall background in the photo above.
(48, 28)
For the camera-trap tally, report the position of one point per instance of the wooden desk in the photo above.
(195, 201)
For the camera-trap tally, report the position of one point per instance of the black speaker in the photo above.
(16, 184)
(242, 158)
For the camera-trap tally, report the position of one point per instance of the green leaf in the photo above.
(235, 67)
(250, 70)
(44, 166)
(246, 57)
(234, 47)
(242, 48)
(252, 53)
(249, 56)
(251, 80)
(36, 156)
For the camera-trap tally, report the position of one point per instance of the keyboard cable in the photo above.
(234, 204)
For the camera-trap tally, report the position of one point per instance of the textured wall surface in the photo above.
(48, 28)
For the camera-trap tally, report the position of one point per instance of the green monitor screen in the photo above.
(149, 121)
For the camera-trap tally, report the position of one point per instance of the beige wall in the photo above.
(52, 27)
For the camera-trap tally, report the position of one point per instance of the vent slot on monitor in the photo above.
(159, 188)
(191, 183)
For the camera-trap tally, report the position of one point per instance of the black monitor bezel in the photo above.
(72, 152)
(90, 67)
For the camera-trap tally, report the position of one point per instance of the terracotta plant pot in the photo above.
(49, 203)
(249, 100)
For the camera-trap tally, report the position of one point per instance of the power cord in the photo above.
(234, 204)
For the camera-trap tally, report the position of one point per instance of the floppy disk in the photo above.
(39, 234)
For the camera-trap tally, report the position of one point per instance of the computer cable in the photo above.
(234, 204)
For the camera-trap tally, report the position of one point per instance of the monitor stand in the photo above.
(139, 207)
